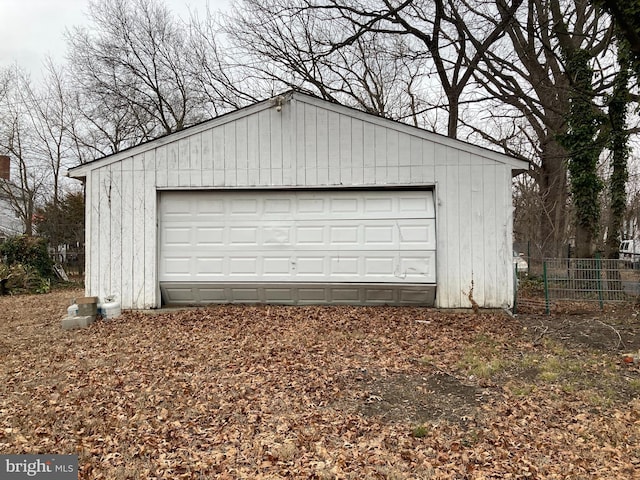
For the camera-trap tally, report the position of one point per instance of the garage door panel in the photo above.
(243, 266)
(210, 267)
(337, 234)
(320, 266)
(342, 206)
(414, 268)
(422, 234)
(310, 206)
(244, 236)
(310, 266)
(415, 205)
(378, 207)
(177, 266)
(380, 233)
(379, 266)
(178, 237)
(209, 236)
(278, 206)
(310, 235)
(277, 266)
(243, 206)
(276, 235)
(299, 293)
(209, 206)
(342, 266)
(343, 235)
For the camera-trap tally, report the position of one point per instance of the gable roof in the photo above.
(295, 96)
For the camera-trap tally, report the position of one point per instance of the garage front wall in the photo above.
(298, 141)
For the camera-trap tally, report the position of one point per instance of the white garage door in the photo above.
(346, 246)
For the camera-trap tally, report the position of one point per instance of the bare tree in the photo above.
(377, 73)
(305, 33)
(134, 57)
(27, 182)
(49, 120)
(528, 78)
(219, 71)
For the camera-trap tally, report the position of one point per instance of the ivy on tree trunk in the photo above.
(618, 144)
(581, 142)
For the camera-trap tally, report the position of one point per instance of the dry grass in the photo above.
(286, 392)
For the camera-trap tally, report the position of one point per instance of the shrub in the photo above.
(31, 252)
(20, 279)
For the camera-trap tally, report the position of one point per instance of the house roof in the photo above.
(517, 165)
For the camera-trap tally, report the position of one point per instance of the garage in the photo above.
(298, 200)
(351, 246)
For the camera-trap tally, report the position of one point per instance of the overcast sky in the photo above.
(31, 29)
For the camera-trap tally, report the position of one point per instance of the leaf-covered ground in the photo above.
(235, 392)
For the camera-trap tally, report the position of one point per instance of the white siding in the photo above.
(310, 143)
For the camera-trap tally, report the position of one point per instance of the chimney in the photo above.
(5, 167)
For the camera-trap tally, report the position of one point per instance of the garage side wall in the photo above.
(121, 231)
(309, 143)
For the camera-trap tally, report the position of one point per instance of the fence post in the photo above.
(515, 289)
(599, 280)
(546, 286)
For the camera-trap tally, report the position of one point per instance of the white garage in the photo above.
(297, 200)
(334, 246)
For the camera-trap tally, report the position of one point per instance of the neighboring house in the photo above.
(299, 200)
(10, 223)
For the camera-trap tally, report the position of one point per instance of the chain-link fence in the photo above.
(577, 282)
(71, 259)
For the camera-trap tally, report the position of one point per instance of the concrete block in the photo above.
(69, 323)
(84, 321)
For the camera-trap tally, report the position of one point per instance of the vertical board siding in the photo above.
(173, 163)
(308, 145)
(357, 152)
(242, 166)
(207, 158)
(115, 237)
(506, 205)
(230, 159)
(468, 239)
(369, 174)
(264, 150)
(138, 232)
(149, 296)
(161, 167)
(128, 218)
(184, 164)
(195, 160)
(491, 234)
(479, 230)
(344, 175)
(275, 154)
(404, 158)
(329, 163)
(253, 149)
(442, 233)
(218, 157)
(451, 262)
(104, 230)
(316, 130)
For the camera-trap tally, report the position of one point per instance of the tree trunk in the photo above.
(554, 192)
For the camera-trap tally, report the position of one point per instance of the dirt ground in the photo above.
(323, 392)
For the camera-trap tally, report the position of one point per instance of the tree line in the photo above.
(553, 82)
